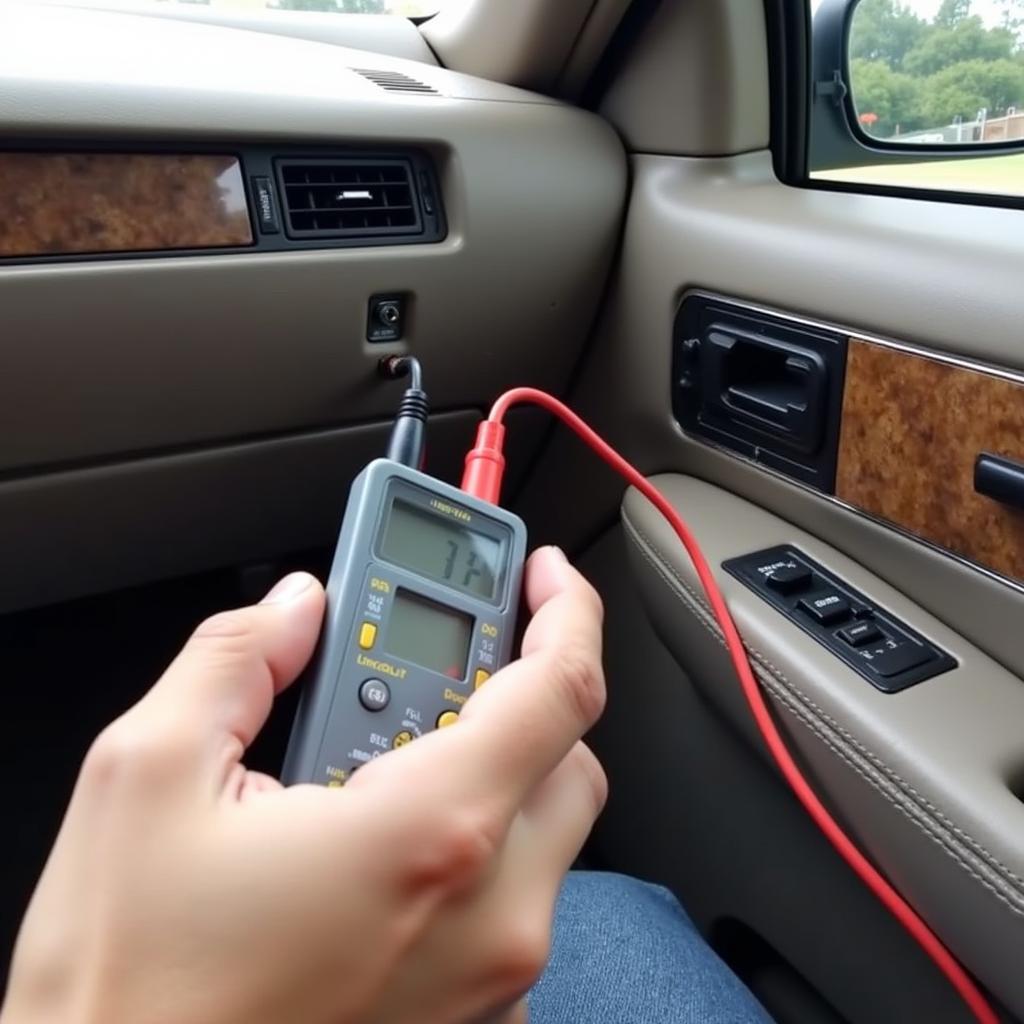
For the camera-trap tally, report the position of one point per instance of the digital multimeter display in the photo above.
(429, 634)
(442, 549)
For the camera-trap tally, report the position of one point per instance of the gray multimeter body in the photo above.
(421, 607)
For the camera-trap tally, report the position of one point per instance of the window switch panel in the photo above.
(877, 645)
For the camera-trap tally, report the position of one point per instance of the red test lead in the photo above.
(485, 464)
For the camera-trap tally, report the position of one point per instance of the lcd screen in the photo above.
(442, 549)
(428, 634)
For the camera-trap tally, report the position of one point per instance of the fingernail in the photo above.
(289, 588)
(558, 552)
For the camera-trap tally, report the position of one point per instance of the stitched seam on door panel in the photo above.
(892, 788)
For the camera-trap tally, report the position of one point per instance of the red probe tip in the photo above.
(485, 464)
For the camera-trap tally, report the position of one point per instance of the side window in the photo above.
(919, 94)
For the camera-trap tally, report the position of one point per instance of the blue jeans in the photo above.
(623, 952)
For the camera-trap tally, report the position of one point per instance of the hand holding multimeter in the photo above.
(421, 893)
(421, 605)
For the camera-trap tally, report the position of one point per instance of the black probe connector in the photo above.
(408, 442)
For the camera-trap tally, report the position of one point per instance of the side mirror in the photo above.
(890, 85)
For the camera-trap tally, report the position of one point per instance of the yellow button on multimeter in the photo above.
(367, 635)
(424, 589)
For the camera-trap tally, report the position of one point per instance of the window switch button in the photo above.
(788, 579)
(859, 633)
(825, 606)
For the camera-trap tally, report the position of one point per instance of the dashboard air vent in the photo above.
(395, 81)
(342, 198)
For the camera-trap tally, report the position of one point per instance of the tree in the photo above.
(943, 47)
(953, 12)
(891, 95)
(909, 74)
(963, 89)
(1013, 20)
(885, 30)
(1013, 13)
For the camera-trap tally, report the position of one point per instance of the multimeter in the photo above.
(421, 606)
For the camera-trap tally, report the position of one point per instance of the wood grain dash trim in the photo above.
(912, 428)
(60, 204)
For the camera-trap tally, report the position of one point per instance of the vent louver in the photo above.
(341, 198)
(395, 81)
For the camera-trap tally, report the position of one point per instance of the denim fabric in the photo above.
(624, 952)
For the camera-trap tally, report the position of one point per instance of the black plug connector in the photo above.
(407, 444)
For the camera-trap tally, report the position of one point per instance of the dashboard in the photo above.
(195, 219)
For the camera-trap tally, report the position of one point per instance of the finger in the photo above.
(223, 682)
(549, 578)
(519, 727)
(562, 811)
(257, 783)
(517, 1014)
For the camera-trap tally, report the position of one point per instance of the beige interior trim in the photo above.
(524, 43)
(924, 776)
(696, 81)
(85, 531)
(594, 37)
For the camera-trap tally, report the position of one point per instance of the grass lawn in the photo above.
(1003, 175)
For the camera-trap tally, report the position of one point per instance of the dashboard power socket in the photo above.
(385, 318)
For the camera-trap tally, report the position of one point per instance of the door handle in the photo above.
(771, 385)
(1000, 478)
(782, 401)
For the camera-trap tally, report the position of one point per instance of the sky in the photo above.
(989, 10)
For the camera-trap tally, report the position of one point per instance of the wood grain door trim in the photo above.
(912, 427)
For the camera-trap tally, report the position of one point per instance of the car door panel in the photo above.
(927, 779)
(924, 776)
(694, 805)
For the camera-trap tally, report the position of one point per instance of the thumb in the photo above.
(224, 681)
